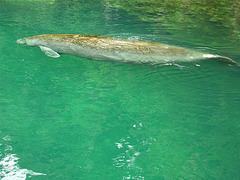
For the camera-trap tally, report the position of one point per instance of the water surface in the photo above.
(75, 118)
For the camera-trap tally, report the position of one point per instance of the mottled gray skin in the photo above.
(107, 48)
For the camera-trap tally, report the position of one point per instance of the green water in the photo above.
(75, 118)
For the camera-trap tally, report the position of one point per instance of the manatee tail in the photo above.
(224, 59)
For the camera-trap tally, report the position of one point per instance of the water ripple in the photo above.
(130, 150)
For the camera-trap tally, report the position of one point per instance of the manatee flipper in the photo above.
(49, 52)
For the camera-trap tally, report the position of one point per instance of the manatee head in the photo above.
(21, 41)
(28, 41)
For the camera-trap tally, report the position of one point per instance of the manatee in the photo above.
(114, 49)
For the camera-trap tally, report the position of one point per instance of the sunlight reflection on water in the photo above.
(10, 169)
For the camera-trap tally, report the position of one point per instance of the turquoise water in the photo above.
(75, 118)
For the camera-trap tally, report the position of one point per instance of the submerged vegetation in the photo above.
(205, 18)
(225, 13)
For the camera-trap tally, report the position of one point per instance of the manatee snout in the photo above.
(21, 41)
